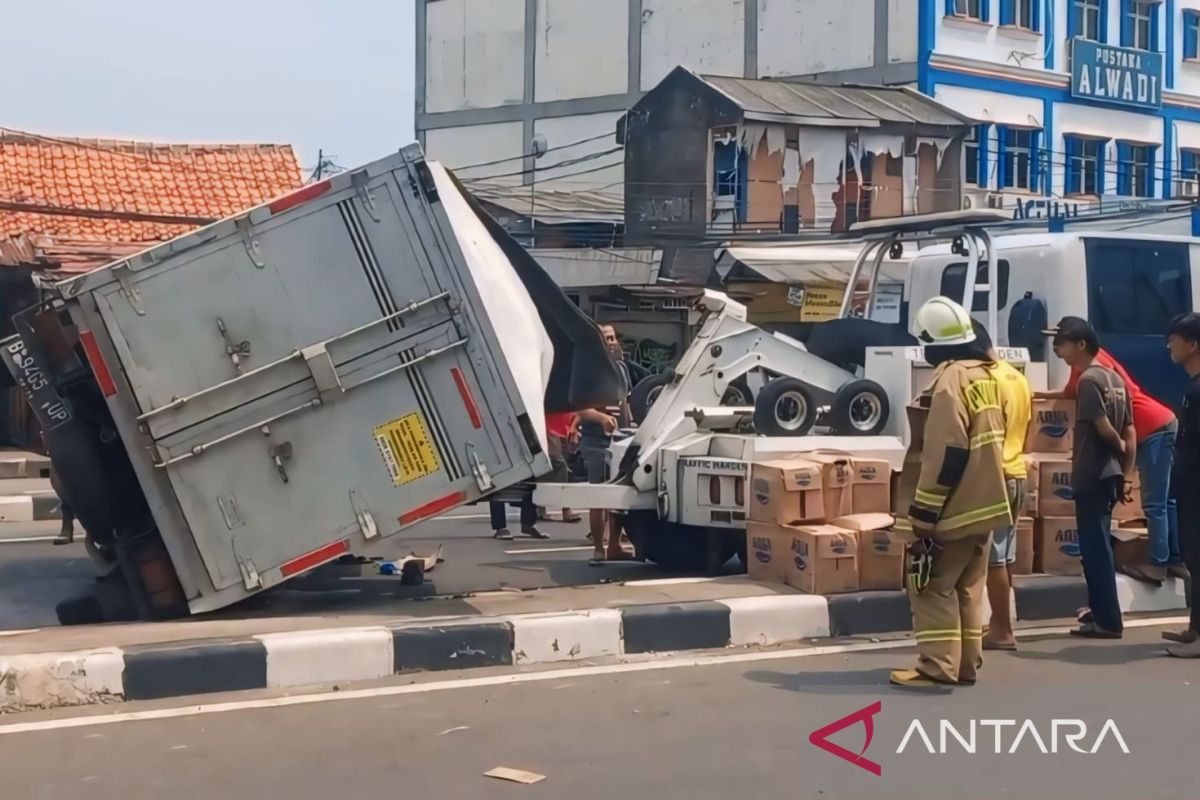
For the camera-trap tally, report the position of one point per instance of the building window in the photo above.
(1020, 13)
(1084, 20)
(971, 156)
(1139, 24)
(1191, 34)
(970, 9)
(1135, 169)
(1188, 182)
(1016, 154)
(1085, 162)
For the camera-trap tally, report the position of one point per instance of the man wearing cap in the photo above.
(1103, 456)
(1156, 429)
(958, 500)
(1183, 342)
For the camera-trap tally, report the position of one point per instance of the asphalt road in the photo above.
(699, 732)
(34, 576)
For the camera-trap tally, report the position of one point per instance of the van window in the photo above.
(1136, 288)
(955, 275)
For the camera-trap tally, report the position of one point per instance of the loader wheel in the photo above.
(784, 407)
(645, 393)
(738, 393)
(860, 408)
(688, 549)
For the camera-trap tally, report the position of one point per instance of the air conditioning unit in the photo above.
(971, 200)
(995, 200)
(1186, 189)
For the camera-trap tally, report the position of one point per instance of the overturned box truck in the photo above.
(246, 402)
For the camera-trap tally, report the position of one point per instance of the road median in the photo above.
(519, 629)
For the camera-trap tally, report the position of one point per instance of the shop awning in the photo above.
(815, 265)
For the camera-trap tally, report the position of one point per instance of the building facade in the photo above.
(1078, 101)
(498, 79)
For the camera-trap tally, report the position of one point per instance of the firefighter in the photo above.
(958, 496)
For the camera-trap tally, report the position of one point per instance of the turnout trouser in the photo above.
(948, 614)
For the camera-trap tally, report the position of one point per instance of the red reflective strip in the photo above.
(436, 507)
(299, 197)
(315, 558)
(469, 401)
(99, 368)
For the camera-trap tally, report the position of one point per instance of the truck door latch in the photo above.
(235, 350)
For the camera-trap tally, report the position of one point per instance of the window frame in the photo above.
(1077, 19)
(954, 286)
(1191, 34)
(980, 11)
(1077, 166)
(1011, 153)
(972, 142)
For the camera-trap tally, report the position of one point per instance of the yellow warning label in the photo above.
(406, 448)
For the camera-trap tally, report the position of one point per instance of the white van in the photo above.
(1128, 286)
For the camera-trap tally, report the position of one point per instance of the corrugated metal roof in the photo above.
(851, 105)
(553, 206)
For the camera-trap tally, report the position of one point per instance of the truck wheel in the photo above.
(686, 548)
(860, 408)
(784, 407)
(645, 393)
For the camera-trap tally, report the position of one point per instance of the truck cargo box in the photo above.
(246, 402)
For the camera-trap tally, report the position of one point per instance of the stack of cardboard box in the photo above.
(821, 524)
(1049, 498)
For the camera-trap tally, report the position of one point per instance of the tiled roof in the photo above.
(100, 196)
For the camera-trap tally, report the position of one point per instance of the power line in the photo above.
(570, 162)
(534, 153)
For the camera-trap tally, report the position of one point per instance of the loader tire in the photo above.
(784, 407)
(645, 393)
(860, 408)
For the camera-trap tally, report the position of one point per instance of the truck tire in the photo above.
(860, 408)
(784, 407)
(645, 393)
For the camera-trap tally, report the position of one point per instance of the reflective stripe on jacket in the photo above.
(959, 489)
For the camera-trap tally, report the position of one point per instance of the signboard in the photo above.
(821, 304)
(888, 298)
(1118, 75)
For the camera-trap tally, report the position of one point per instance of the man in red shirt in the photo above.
(1156, 428)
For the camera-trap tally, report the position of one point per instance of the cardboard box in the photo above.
(880, 551)
(1052, 428)
(871, 486)
(785, 492)
(1056, 546)
(823, 559)
(1024, 562)
(1050, 477)
(837, 473)
(1131, 546)
(767, 546)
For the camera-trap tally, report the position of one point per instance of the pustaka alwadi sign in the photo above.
(1119, 75)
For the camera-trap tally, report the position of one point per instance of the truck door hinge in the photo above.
(366, 521)
(483, 478)
(365, 195)
(250, 577)
(124, 277)
(249, 242)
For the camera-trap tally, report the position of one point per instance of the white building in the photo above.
(497, 79)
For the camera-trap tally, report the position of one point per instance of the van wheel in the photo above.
(784, 407)
(860, 408)
(645, 393)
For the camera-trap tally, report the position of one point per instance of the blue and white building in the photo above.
(1079, 99)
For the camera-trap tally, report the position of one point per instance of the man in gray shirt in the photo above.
(1104, 454)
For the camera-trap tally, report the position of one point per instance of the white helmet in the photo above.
(943, 321)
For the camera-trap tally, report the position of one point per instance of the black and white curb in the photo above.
(29, 507)
(336, 656)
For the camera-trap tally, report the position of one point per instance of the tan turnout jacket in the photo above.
(953, 480)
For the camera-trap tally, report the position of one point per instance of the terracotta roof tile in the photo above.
(121, 177)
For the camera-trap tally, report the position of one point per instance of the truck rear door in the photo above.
(315, 373)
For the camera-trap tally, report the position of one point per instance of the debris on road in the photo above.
(515, 775)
